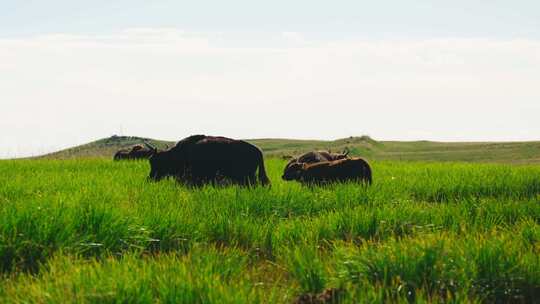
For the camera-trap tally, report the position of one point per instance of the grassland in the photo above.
(487, 152)
(95, 231)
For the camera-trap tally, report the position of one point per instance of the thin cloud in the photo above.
(65, 89)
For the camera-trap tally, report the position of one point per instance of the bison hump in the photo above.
(193, 139)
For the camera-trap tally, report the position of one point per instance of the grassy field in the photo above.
(95, 231)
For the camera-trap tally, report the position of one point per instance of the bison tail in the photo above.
(263, 178)
(367, 173)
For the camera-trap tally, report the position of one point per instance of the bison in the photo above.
(342, 170)
(136, 152)
(315, 157)
(200, 159)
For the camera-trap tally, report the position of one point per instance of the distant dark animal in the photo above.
(201, 159)
(315, 157)
(342, 170)
(136, 152)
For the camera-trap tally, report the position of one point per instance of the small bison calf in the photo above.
(349, 169)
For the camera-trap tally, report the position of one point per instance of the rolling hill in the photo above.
(506, 152)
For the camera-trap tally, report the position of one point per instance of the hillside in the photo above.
(508, 152)
(104, 148)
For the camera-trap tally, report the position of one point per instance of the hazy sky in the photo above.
(459, 70)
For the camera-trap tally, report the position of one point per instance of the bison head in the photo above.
(159, 163)
(338, 156)
(335, 156)
(166, 163)
(291, 162)
(293, 171)
(159, 166)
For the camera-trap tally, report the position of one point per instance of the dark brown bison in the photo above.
(315, 157)
(136, 152)
(201, 159)
(348, 169)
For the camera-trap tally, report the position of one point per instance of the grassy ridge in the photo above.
(96, 231)
(487, 152)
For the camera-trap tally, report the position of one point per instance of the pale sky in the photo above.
(402, 70)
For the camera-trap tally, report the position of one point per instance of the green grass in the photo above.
(95, 231)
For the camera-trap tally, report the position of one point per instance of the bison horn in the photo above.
(150, 146)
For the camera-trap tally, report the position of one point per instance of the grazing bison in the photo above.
(136, 152)
(200, 159)
(315, 157)
(348, 169)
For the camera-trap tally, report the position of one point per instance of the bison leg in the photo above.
(252, 179)
(247, 180)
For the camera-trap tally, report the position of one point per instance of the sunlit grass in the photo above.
(97, 231)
